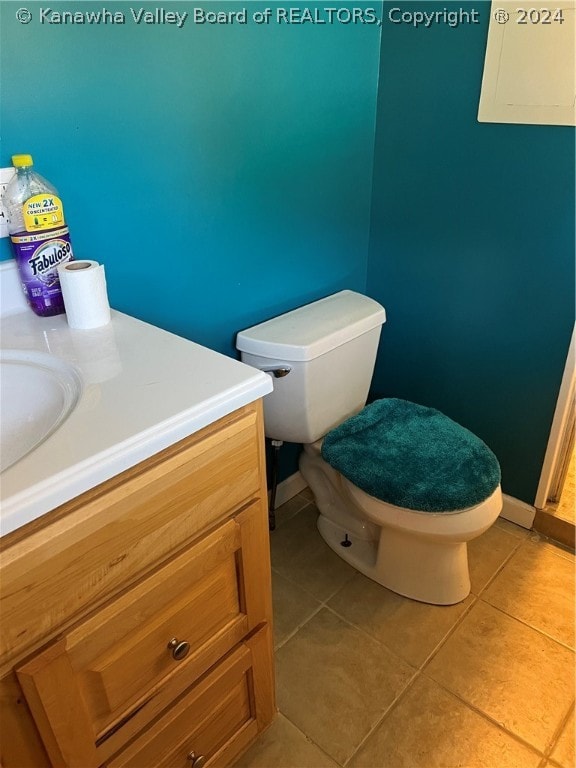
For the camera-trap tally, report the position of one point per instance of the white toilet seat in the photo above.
(461, 524)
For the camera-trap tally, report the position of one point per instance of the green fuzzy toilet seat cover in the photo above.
(413, 457)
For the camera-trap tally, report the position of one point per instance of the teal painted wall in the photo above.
(222, 173)
(472, 246)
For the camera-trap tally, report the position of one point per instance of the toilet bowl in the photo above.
(326, 353)
(421, 555)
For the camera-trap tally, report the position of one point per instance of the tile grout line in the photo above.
(418, 671)
(558, 733)
(501, 567)
(393, 704)
(541, 632)
(485, 716)
(522, 542)
(321, 604)
(432, 653)
(295, 631)
(282, 523)
(307, 591)
(309, 739)
(397, 698)
(449, 633)
(378, 640)
(371, 637)
(543, 753)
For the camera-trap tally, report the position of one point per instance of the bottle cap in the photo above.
(22, 161)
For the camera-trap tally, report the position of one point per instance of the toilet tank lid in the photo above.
(313, 330)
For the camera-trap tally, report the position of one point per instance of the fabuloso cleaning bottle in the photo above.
(39, 235)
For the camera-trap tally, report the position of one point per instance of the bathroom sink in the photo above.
(37, 393)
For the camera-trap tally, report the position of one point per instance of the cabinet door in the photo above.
(103, 681)
(108, 539)
(213, 722)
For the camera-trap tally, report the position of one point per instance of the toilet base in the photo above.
(361, 554)
(423, 570)
(425, 559)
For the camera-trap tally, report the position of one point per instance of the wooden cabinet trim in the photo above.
(58, 709)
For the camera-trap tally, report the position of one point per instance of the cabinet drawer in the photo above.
(214, 721)
(94, 689)
(117, 532)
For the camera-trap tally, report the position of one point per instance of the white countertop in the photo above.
(144, 389)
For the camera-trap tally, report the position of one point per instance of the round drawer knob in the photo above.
(197, 761)
(179, 649)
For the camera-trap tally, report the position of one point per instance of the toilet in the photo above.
(400, 487)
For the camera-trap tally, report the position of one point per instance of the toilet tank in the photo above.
(330, 348)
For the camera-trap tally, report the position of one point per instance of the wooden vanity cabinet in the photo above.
(136, 620)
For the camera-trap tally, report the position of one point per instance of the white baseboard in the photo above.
(517, 511)
(289, 488)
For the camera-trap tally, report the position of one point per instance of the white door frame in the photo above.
(559, 426)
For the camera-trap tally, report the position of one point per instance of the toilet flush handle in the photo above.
(277, 371)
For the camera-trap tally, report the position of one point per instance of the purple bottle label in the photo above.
(38, 256)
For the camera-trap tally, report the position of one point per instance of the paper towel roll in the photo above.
(83, 286)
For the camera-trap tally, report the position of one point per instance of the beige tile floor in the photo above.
(368, 679)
